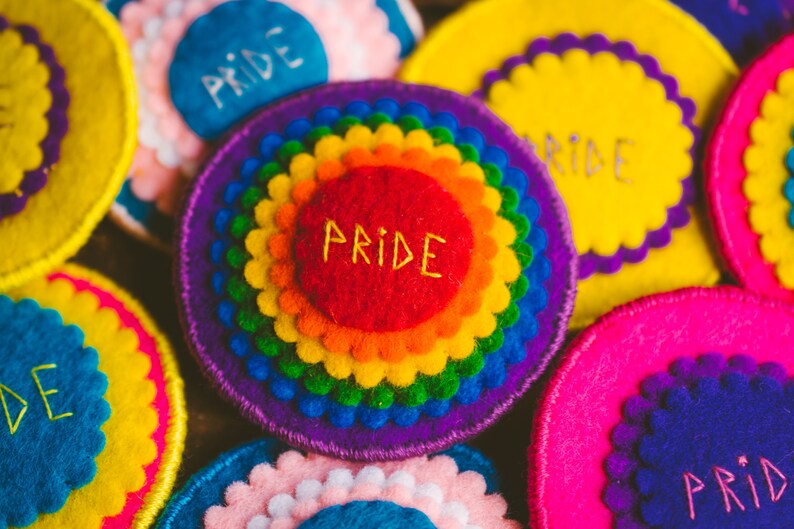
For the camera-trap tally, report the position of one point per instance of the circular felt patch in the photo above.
(135, 395)
(68, 141)
(204, 65)
(613, 110)
(744, 27)
(748, 172)
(260, 485)
(376, 279)
(686, 425)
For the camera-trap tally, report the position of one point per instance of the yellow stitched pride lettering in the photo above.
(12, 426)
(358, 246)
(339, 238)
(426, 255)
(399, 240)
(44, 393)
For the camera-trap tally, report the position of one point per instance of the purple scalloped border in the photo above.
(206, 336)
(677, 215)
(622, 463)
(58, 123)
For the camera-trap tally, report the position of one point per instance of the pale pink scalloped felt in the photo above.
(357, 42)
(604, 367)
(246, 500)
(726, 173)
(148, 346)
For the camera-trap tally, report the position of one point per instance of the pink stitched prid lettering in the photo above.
(401, 253)
(767, 466)
(737, 7)
(724, 479)
(743, 462)
(689, 478)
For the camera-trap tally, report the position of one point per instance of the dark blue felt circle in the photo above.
(45, 454)
(239, 57)
(744, 27)
(712, 425)
(368, 515)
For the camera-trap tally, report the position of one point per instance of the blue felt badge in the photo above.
(744, 27)
(398, 25)
(51, 410)
(240, 56)
(368, 514)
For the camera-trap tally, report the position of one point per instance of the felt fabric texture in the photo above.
(95, 152)
(701, 415)
(750, 220)
(35, 101)
(338, 286)
(744, 27)
(404, 21)
(229, 360)
(288, 374)
(460, 53)
(145, 432)
(318, 41)
(364, 514)
(398, 351)
(206, 488)
(296, 488)
(620, 150)
(587, 396)
(285, 54)
(52, 398)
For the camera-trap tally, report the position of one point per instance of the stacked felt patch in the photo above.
(93, 418)
(744, 27)
(377, 278)
(261, 485)
(203, 65)
(66, 147)
(687, 425)
(614, 114)
(749, 175)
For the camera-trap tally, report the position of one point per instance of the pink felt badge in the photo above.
(632, 428)
(729, 183)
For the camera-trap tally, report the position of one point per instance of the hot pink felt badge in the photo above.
(748, 175)
(672, 411)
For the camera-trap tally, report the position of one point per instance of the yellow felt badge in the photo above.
(74, 62)
(611, 96)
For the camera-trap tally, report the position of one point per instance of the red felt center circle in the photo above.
(345, 242)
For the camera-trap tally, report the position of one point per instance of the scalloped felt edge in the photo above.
(135, 317)
(267, 450)
(690, 340)
(52, 259)
(725, 172)
(225, 372)
(677, 214)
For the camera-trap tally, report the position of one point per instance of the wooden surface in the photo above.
(215, 426)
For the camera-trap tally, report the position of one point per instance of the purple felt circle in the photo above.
(206, 335)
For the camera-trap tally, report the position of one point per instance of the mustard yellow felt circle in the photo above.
(619, 161)
(481, 36)
(129, 444)
(765, 161)
(95, 152)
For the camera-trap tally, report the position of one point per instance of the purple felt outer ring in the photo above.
(207, 337)
(57, 123)
(678, 214)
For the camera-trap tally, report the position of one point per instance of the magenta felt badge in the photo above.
(672, 411)
(749, 175)
(374, 270)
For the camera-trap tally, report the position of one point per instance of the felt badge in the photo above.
(203, 65)
(673, 411)
(750, 175)
(263, 486)
(93, 420)
(67, 125)
(374, 270)
(611, 95)
(744, 27)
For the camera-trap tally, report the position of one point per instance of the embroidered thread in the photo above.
(12, 427)
(44, 393)
(564, 158)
